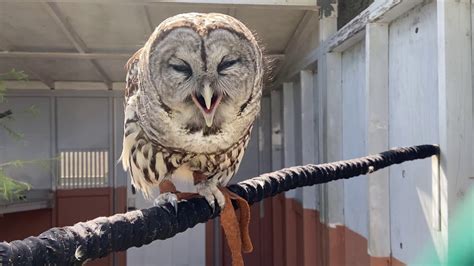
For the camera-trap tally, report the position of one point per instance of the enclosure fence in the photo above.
(101, 236)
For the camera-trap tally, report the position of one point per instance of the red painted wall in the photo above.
(21, 225)
(71, 206)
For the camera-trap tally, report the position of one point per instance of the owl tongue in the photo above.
(207, 102)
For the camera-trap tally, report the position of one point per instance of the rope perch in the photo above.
(101, 236)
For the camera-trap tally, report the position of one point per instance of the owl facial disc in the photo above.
(207, 101)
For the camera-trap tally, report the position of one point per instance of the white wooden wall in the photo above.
(398, 75)
(413, 119)
(354, 135)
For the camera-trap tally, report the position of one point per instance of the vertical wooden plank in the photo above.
(71, 169)
(79, 172)
(66, 165)
(376, 80)
(265, 136)
(63, 169)
(76, 169)
(55, 164)
(94, 173)
(108, 171)
(104, 174)
(84, 167)
(97, 167)
(455, 112)
(332, 196)
(276, 117)
(436, 194)
(289, 159)
(308, 155)
(334, 134)
(330, 90)
(89, 166)
(289, 152)
(317, 121)
(413, 97)
(307, 132)
(277, 163)
(101, 169)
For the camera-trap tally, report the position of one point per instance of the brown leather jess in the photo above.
(236, 229)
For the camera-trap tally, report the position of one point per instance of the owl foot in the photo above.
(211, 193)
(168, 193)
(167, 197)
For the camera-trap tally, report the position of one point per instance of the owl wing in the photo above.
(131, 81)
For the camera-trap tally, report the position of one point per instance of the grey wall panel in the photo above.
(83, 123)
(249, 166)
(118, 116)
(265, 136)
(35, 144)
(257, 158)
(298, 125)
(298, 194)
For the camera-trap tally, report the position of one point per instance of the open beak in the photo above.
(207, 101)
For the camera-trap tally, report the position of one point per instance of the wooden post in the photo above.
(308, 156)
(307, 132)
(289, 158)
(334, 191)
(330, 92)
(455, 112)
(277, 163)
(289, 151)
(376, 50)
(276, 117)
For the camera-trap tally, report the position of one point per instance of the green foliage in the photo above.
(11, 189)
(11, 75)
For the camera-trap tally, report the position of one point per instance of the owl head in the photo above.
(204, 70)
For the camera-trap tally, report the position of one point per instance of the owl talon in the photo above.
(167, 197)
(212, 194)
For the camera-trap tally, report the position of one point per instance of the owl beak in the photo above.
(207, 101)
(207, 94)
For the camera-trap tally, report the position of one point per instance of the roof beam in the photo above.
(299, 29)
(81, 56)
(293, 43)
(67, 28)
(295, 39)
(286, 4)
(46, 80)
(40, 76)
(74, 38)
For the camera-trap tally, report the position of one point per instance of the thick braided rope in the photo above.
(99, 237)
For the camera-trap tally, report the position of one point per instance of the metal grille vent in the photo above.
(83, 169)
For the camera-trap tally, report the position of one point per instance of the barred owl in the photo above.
(192, 96)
